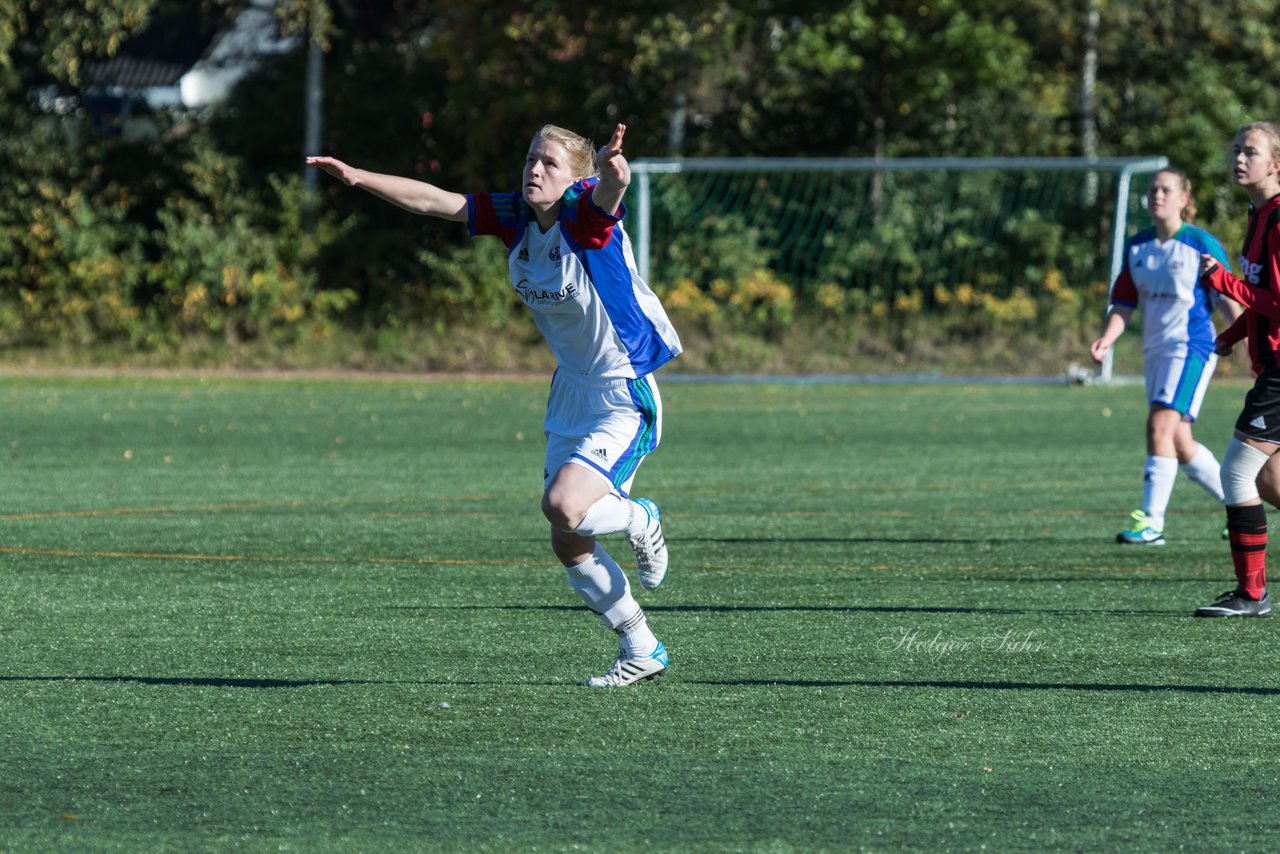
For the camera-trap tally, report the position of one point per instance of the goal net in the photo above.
(888, 228)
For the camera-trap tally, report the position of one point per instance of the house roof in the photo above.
(131, 72)
(176, 37)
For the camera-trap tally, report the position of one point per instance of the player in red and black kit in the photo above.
(1256, 168)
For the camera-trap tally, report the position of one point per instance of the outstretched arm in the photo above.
(615, 174)
(415, 196)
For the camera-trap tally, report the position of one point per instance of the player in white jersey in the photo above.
(570, 261)
(1161, 267)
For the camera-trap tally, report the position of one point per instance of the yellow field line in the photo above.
(427, 561)
(405, 561)
(195, 508)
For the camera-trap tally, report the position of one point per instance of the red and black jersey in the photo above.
(1259, 290)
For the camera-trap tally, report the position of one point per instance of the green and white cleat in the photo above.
(1141, 533)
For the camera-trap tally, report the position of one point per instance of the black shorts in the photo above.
(1261, 416)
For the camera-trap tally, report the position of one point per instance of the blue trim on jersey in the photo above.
(606, 265)
(1192, 235)
(644, 346)
(1202, 241)
(1199, 329)
(608, 271)
(1201, 313)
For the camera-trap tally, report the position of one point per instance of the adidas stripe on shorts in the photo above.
(608, 425)
(1260, 418)
(1178, 378)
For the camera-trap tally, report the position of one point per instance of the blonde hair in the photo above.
(1267, 129)
(579, 149)
(1189, 212)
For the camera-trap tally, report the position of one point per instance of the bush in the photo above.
(238, 267)
(93, 264)
(467, 284)
(70, 256)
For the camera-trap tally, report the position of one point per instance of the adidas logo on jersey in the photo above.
(601, 453)
(524, 254)
(1259, 422)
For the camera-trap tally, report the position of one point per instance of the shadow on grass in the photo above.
(967, 684)
(921, 609)
(1013, 540)
(202, 681)
(1137, 688)
(827, 609)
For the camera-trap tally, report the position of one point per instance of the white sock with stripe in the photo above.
(604, 588)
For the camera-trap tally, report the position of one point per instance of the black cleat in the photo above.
(1236, 603)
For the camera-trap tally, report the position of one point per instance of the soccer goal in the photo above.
(998, 226)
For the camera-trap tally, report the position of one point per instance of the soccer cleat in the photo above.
(650, 546)
(1141, 534)
(1236, 603)
(628, 670)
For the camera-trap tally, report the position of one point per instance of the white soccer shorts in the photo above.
(1178, 379)
(607, 425)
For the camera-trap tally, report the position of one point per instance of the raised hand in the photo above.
(609, 160)
(344, 173)
(615, 173)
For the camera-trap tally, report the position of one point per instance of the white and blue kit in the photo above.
(1177, 329)
(604, 325)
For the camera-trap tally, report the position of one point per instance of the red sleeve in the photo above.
(483, 218)
(1266, 303)
(1236, 332)
(1123, 291)
(588, 225)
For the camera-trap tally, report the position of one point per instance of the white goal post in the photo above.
(820, 173)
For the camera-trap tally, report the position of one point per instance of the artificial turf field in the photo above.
(281, 614)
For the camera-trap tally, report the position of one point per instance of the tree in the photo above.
(894, 78)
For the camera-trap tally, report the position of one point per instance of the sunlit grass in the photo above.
(323, 615)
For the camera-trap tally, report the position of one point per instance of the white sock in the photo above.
(604, 588)
(607, 516)
(636, 637)
(1157, 486)
(1203, 468)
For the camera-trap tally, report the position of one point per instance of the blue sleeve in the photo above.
(1203, 241)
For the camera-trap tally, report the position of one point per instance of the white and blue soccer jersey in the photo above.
(1162, 279)
(580, 279)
